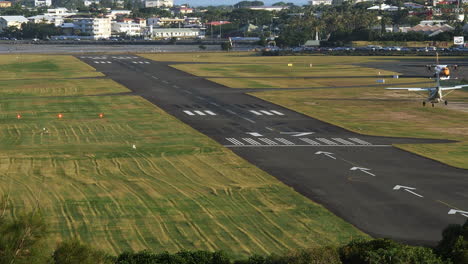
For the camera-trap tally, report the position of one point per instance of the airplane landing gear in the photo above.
(432, 104)
(424, 103)
(446, 102)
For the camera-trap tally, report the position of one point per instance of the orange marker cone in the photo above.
(59, 116)
(18, 116)
(101, 115)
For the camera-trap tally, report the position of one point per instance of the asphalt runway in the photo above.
(382, 190)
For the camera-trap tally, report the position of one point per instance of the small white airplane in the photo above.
(435, 93)
(444, 70)
(441, 69)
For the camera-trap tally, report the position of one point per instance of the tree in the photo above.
(454, 243)
(226, 46)
(244, 4)
(73, 252)
(386, 251)
(22, 239)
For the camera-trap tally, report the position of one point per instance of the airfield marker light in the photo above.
(290, 64)
(60, 116)
(18, 116)
(134, 146)
(101, 115)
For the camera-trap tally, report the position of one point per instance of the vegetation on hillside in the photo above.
(24, 240)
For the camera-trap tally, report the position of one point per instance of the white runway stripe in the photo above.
(189, 113)
(343, 141)
(284, 141)
(268, 141)
(235, 141)
(326, 141)
(199, 112)
(255, 112)
(359, 141)
(266, 112)
(210, 113)
(277, 112)
(309, 141)
(251, 141)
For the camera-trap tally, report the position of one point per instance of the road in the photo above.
(382, 190)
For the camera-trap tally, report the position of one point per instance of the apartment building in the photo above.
(96, 27)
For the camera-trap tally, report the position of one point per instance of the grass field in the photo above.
(177, 190)
(370, 114)
(369, 110)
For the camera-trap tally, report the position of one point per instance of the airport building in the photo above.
(166, 33)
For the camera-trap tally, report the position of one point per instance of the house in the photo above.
(431, 27)
(163, 21)
(59, 12)
(98, 28)
(12, 21)
(159, 3)
(320, 2)
(5, 4)
(183, 10)
(113, 14)
(90, 2)
(268, 8)
(164, 33)
(385, 7)
(56, 20)
(38, 3)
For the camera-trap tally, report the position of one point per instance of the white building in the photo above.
(268, 8)
(38, 3)
(320, 2)
(57, 21)
(174, 32)
(159, 3)
(162, 21)
(59, 12)
(114, 13)
(90, 2)
(12, 21)
(96, 27)
(127, 28)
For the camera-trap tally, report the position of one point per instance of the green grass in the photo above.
(254, 58)
(374, 116)
(18, 66)
(177, 190)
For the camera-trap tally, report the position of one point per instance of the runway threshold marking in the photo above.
(284, 141)
(357, 140)
(266, 112)
(189, 113)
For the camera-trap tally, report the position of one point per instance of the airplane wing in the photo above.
(453, 87)
(412, 89)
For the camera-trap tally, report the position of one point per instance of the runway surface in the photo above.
(384, 191)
